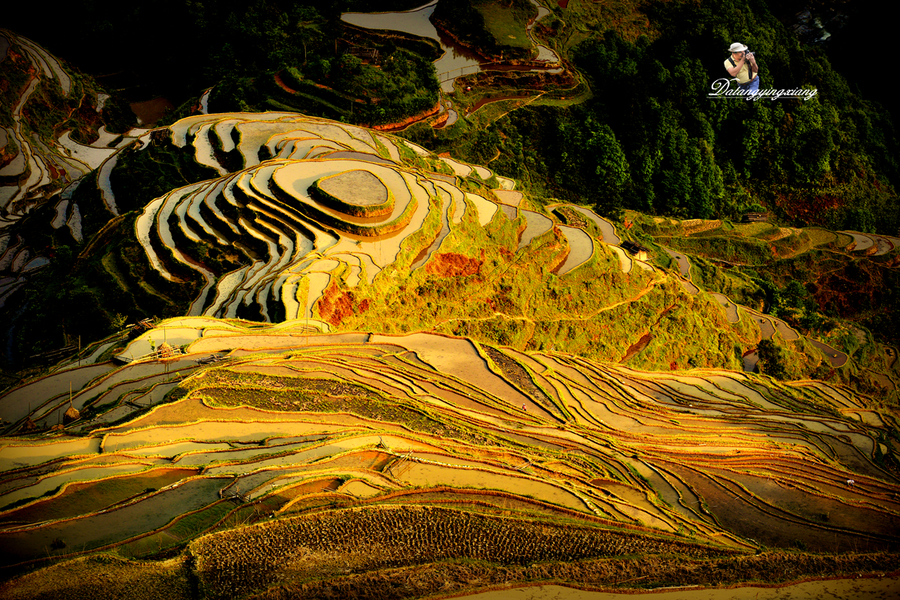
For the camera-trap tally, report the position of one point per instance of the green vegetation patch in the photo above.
(496, 30)
(323, 396)
(507, 21)
(746, 251)
(738, 286)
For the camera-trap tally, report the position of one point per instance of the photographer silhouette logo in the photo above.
(741, 65)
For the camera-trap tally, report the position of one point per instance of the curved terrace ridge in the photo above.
(357, 192)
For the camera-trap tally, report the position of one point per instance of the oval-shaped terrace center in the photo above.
(357, 192)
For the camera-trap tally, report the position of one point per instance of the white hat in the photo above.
(737, 47)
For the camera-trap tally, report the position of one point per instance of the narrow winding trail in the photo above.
(768, 325)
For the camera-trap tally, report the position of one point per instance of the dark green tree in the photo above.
(771, 359)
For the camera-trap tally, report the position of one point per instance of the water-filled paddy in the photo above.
(360, 489)
(861, 242)
(484, 209)
(607, 229)
(212, 432)
(731, 313)
(429, 475)
(835, 357)
(510, 197)
(18, 403)
(52, 482)
(319, 451)
(625, 261)
(581, 248)
(536, 225)
(15, 455)
(91, 496)
(113, 526)
(458, 357)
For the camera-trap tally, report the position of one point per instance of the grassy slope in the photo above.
(840, 299)
(478, 286)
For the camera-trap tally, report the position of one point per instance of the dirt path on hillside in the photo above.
(646, 290)
(280, 83)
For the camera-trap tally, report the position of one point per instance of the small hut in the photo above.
(71, 414)
(636, 250)
(365, 54)
(755, 217)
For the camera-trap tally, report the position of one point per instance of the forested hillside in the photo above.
(651, 139)
(648, 138)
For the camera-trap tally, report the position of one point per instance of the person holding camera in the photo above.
(742, 66)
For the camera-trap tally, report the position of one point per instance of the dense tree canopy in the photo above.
(651, 138)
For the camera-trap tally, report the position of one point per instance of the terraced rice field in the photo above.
(730, 307)
(309, 154)
(767, 325)
(537, 225)
(861, 242)
(465, 438)
(308, 242)
(350, 454)
(607, 229)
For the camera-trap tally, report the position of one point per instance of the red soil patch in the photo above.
(441, 120)
(637, 346)
(336, 305)
(55, 172)
(6, 157)
(151, 111)
(645, 339)
(408, 121)
(312, 487)
(450, 264)
(369, 459)
(280, 83)
(806, 205)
